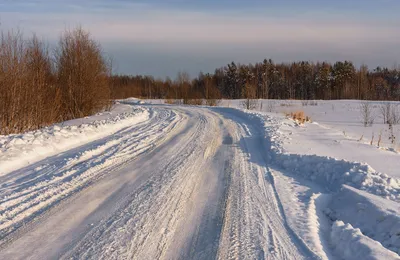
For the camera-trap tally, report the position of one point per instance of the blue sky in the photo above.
(163, 37)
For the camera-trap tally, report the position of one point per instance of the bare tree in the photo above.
(384, 110)
(367, 114)
(270, 106)
(25, 80)
(183, 83)
(250, 93)
(390, 113)
(83, 74)
(37, 90)
(395, 114)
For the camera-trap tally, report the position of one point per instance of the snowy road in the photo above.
(187, 183)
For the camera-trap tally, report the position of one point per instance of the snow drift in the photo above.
(24, 149)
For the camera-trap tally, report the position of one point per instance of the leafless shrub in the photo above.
(304, 103)
(25, 84)
(392, 137)
(367, 114)
(194, 102)
(313, 103)
(270, 106)
(286, 103)
(212, 102)
(37, 90)
(379, 138)
(250, 102)
(372, 139)
(395, 114)
(169, 101)
(390, 113)
(82, 74)
(384, 110)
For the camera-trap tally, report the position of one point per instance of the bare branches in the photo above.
(35, 91)
(367, 114)
(390, 113)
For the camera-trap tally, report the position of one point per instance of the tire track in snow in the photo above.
(191, 184)
(23, 198)
(255, 227)
(161, 207)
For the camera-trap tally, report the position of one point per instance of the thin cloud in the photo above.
(165, 26)
(203, 34)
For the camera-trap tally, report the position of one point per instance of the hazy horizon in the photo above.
(161, 38)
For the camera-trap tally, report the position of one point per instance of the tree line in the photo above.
(39, 87)
(269, 80)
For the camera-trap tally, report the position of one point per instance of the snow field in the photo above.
(203, 183)
(343, 116)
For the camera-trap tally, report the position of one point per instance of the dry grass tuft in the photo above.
(299, 117)
(212, 102)
(194, 102)
(170, 101)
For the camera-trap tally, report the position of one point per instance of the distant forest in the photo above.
(269, 80)
(39, 86)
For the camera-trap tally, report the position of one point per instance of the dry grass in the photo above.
(170, 101)
(286, 104)
(194, 102)
(299, 117)
(212, 102)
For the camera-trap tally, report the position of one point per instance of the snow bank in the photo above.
(356, 187)
(328, 172)
(17, 151)
(333, 173)
(350, 243)
(376, 217)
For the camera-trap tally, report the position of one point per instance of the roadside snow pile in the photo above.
(17, 151)
(363, 198)
(332, 174)
(350, 243)
(328, 172)
(376, 217)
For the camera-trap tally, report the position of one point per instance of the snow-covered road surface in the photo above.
(186, 183)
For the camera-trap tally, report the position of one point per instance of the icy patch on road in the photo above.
(17, 151)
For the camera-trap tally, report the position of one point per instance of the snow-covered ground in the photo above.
(155, 181)
(24, 149)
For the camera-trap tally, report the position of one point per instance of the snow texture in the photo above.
(351, 244)
(155, 181)
(24, 149)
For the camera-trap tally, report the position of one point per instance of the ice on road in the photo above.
(186, 183)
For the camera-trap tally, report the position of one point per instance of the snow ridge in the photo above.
(357, 193)
(326, 171)
(30, 147)
(350, 243)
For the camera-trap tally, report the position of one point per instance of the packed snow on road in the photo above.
(148, 180)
